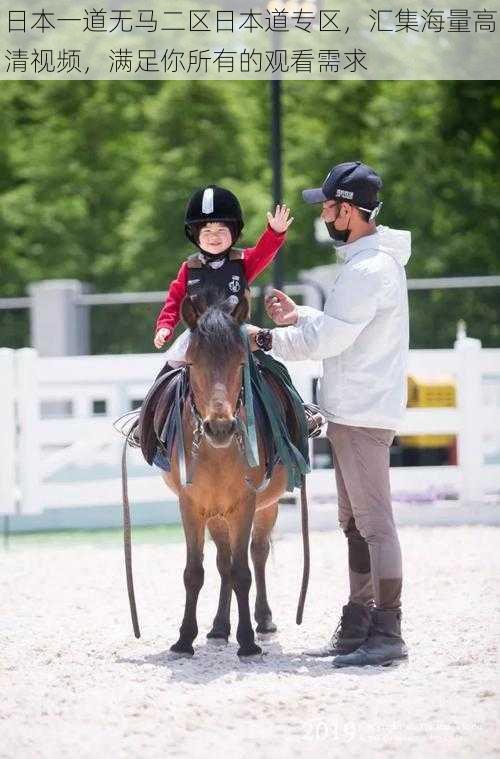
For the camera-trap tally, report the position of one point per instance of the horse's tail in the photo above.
(127, 542)
(305, 544)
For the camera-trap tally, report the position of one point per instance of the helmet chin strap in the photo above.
(215, 256)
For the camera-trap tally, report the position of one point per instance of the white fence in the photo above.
(58, 447)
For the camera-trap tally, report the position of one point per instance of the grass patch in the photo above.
(111, 536)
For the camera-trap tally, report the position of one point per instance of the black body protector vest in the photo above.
(229, 278)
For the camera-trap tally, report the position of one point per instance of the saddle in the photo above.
(282, 420)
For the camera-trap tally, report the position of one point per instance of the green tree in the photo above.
(94, 178)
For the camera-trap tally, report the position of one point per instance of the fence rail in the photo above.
(105, 299)
(60, 309)
(58, 447)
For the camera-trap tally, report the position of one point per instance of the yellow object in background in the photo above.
(436, 392)
(425, 393)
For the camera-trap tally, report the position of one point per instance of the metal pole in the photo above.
(278, 268)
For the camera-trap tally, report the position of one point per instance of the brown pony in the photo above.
(235, 502)
(219, 497)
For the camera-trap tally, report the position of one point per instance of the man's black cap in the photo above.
(354, 182)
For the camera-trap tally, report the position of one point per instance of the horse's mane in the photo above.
(217, 333)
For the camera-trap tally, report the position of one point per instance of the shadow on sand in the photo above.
(213, 661)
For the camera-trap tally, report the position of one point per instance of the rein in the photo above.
(127, 541)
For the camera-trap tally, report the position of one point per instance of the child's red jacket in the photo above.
(255, 260)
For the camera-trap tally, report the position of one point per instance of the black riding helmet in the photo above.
(212, 203)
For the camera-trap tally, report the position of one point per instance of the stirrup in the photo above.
(315, 419)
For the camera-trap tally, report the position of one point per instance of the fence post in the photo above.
(29, 433)
(7, 432)
(469, 402)
(60, 326)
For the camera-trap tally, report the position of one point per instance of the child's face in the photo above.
(215, 238)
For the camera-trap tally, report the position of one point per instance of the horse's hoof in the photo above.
(266, 628)
(218, 641)
(266, 638)
(181, 649)
(218, 635)
(252, 649)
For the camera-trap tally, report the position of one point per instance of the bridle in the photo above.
(198, 426)
(241, 435)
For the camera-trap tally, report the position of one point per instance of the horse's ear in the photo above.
(241, 311)
(189, 312)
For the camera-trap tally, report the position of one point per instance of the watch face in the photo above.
(264, 339)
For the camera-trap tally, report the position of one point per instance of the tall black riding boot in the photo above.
(352, 630)
(383, 645)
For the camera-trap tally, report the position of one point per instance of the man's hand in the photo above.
(161, 337)
(279, 221)
(281, 309)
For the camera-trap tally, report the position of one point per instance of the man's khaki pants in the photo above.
(361, 460)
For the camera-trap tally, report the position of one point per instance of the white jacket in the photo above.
(361, 336)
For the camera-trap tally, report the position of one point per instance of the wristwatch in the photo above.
(264, 339)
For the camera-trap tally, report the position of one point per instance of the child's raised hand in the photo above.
(161, 336)
(279, 221)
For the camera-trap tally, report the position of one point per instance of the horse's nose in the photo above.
(221, 428)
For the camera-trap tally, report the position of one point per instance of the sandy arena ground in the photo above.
(75, 682)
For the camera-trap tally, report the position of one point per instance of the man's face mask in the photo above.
(340, 236)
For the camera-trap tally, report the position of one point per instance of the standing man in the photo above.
(362, 339)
